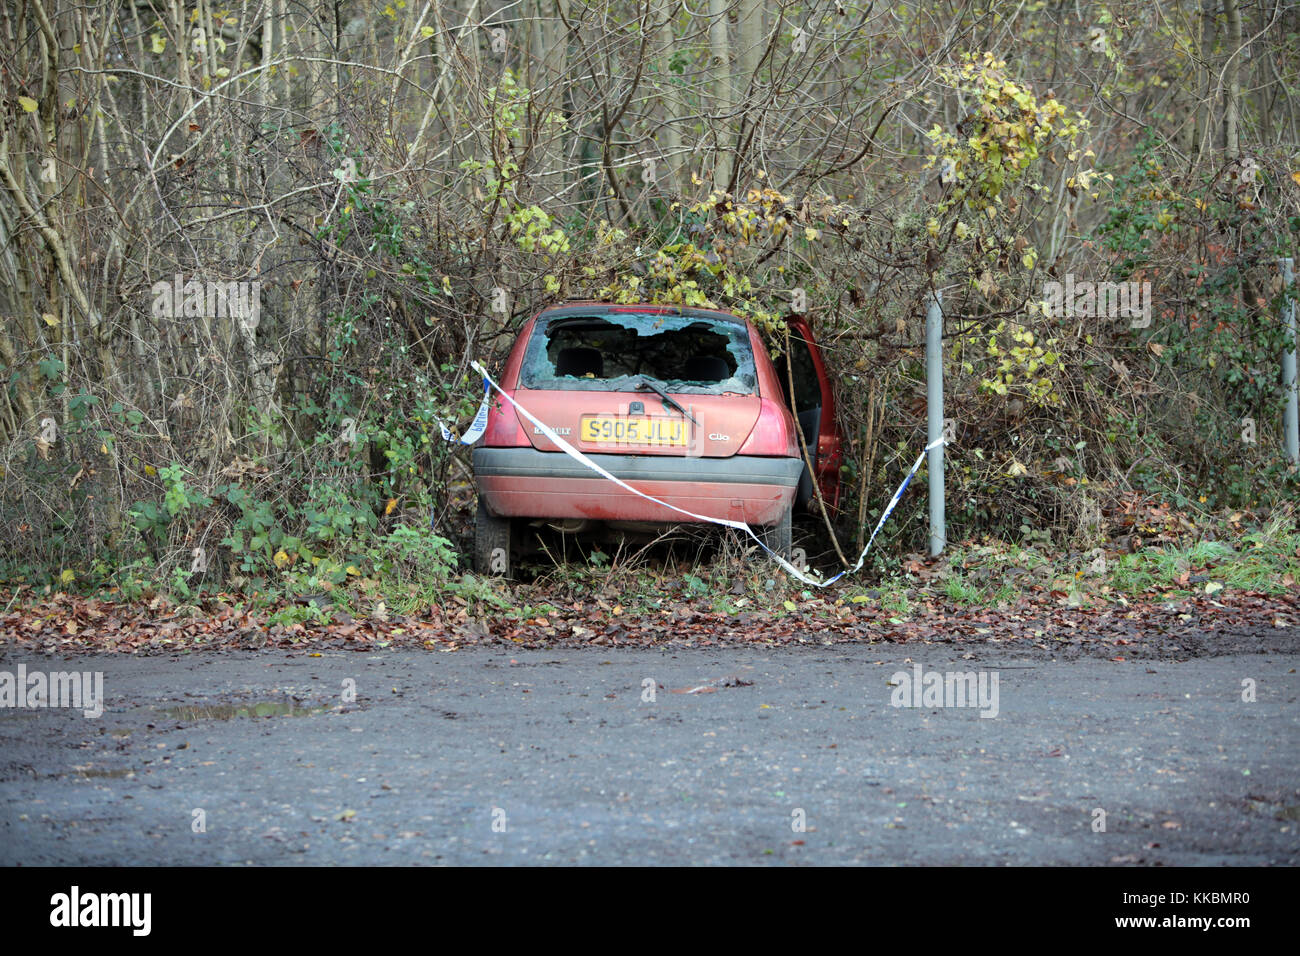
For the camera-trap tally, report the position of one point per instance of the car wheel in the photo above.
(778, 536)
(491, 543)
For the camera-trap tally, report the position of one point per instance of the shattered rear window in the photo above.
(615, 351)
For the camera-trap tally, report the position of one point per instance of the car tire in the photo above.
(491, 543)
(779, 536)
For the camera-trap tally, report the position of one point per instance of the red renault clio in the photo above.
(683, 404)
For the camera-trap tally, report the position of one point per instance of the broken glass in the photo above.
(616, 352)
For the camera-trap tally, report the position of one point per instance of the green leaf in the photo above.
(50, 367)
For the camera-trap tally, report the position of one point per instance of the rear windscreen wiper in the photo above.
(646, 385)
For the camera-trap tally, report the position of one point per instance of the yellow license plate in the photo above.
(633, 430)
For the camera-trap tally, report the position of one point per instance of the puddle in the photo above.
(113, 774)
(261, 708)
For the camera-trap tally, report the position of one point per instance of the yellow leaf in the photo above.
(68, 576)
(1296, 177)
(790, 606)
(49, 319)
(281, 559)
(158, 42)
(27, 103)
(392, 503)
(427, 31)
(150, 470)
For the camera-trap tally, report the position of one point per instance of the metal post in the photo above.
(1291, 420)
(934, 419)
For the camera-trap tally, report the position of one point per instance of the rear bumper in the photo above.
(527, 483)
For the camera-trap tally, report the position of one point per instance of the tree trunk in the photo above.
(720, 69)
(1232, 106)
(670, 134)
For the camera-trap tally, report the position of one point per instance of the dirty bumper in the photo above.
(525, 482)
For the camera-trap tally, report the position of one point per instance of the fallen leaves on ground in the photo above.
(1160, 627)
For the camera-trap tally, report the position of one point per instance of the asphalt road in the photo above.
(488, 757)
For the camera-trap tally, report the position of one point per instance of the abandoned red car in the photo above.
(683, 404)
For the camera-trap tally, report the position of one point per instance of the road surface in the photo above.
(782, 756)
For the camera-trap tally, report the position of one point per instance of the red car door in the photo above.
(812, 401)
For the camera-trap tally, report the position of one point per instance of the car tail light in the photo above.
(772, 435)
(504, 429)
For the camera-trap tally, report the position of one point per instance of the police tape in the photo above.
(479, 425)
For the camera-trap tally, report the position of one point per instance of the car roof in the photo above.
(590, 306)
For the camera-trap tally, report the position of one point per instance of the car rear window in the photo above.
(615, 351)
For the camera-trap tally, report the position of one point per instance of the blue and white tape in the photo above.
(477, 428)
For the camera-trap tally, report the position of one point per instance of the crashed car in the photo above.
(682, 404)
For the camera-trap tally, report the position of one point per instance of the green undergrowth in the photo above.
(413, 572)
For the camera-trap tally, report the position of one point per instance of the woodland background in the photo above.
(409, 182)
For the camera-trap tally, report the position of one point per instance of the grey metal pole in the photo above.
(1291, 420)
(934, 419)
